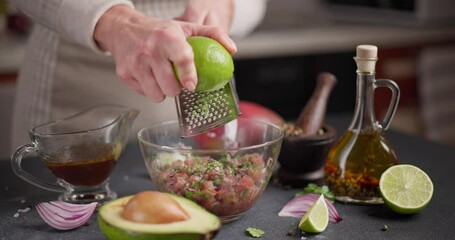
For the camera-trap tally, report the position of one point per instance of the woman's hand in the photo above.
(145, 48)
(209, 12)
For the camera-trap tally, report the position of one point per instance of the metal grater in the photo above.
(201, 112)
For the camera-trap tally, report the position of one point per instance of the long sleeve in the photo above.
(247, 16)
(74, 20)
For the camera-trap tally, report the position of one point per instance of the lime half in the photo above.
(405, 188)
(316, 218)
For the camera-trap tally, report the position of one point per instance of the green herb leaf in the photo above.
(313, 188)
(255, 232)
(244, 193)
(188, 194)
(217, 182)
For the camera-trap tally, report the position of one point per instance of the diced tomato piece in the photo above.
(177, 164)
(228, 181)
(180, 182)
(255, 174)
(246, 181)
(212, 174)
(208, 188)
(189, 162)
(194, 178)
(256, 160)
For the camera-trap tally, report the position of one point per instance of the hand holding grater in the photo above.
(200, 112)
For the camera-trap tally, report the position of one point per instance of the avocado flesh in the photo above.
(200, 225)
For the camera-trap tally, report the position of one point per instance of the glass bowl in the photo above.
(224, 170)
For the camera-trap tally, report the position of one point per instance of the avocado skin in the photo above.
(113, 233)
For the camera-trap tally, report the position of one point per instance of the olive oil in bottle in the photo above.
(355, 163)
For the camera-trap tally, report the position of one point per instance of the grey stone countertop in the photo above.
(359, 221)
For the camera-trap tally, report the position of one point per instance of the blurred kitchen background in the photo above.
(277, 64)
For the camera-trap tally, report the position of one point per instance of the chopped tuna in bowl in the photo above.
(224, 170)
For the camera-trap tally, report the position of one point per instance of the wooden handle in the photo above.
(312, 116)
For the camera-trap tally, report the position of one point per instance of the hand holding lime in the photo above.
(214, 64)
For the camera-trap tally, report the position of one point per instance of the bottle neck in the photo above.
(364, 116)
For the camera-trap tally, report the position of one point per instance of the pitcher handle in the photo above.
(16, 160)
(393, 86)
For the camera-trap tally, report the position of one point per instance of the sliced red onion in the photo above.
(65, 216)
(298, 206)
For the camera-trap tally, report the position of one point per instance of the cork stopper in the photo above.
(366, 58)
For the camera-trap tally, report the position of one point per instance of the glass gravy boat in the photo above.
(81, 151)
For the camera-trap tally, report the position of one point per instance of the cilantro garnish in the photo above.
(188, 194)
(314, 188)
(244, 193)
(217, 182)
(255, 232)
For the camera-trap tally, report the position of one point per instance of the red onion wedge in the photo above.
(298, 206)
(65, 216)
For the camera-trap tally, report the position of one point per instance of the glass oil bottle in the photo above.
(355, 163)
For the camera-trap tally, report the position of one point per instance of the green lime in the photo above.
(316, 218)
(405, 188)
(214, 64)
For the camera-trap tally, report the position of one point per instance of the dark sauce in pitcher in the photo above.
(88, 165)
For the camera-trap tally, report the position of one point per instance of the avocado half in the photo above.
(201, 224)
